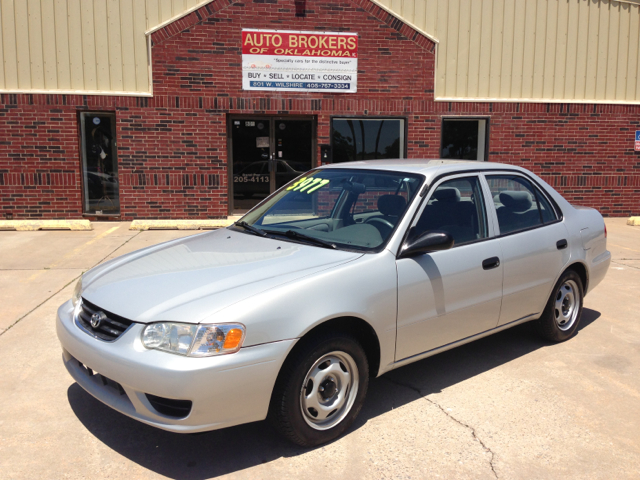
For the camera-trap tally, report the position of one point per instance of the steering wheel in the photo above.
(380, 221)
(385, 227)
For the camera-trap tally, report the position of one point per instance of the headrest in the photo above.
(447, 194)
(355, 187)
(516, 201)
(391, 205)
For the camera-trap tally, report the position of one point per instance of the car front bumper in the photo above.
(225, 390)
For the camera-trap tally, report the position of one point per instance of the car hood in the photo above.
(190, 279)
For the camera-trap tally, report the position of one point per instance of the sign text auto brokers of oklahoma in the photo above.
(283, 60)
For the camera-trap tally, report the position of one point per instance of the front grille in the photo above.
(111, 326)
(169, 406)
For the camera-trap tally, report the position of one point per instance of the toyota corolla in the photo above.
(346, 273)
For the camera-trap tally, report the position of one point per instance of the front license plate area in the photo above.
(107, 382)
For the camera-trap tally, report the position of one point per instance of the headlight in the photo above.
(194, 340)
(77, 292)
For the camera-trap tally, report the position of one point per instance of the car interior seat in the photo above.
(391, 207)
(448, 212)
(517, 211)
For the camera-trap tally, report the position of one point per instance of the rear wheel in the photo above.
(561, 316)
(320, 390)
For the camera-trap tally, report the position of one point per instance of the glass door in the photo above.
(265, 154)
(251, 152)
(99, 164)
(293, 149)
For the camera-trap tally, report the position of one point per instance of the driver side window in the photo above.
(457, 207)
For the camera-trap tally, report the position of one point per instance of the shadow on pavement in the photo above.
(233, 449)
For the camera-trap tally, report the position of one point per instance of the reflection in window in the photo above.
(367, 139)
(463, 139)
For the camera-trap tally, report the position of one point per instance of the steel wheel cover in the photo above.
(567, 305)
(329, 390)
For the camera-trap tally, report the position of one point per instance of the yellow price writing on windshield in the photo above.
(308, 185)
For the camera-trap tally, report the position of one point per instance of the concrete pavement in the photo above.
(507, 406)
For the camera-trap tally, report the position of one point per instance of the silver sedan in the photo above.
(346, 273)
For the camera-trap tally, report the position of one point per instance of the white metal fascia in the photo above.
(149, 65)
(110, 93)
(177, 17)
(630, 2)
(422, 32)
(158, 27)
(416, 28)
(536, 100)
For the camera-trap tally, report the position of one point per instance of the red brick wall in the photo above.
(167, 164)
(584, 151)
(172, 147)
(170, 164)
(39, 159)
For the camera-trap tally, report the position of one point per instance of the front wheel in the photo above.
(561, 316)
(320, 390)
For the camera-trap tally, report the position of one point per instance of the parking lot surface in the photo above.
(507, 406)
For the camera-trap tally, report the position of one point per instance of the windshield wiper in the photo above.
(289, 233)
(251, 228)
(294, 234)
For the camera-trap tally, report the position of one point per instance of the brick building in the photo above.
(198, 145)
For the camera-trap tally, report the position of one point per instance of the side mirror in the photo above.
(431, 241)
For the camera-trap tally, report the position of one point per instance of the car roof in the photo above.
(423, 166)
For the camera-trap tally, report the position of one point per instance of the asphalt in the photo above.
(508, 406)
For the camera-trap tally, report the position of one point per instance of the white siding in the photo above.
(78, 46)
(532, 50)
(549, 50)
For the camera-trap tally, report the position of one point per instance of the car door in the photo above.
(533, 240)
(449, 295)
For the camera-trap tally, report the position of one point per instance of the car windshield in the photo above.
(338, 208)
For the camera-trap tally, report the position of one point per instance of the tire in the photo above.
(561, 316)
(320, 390)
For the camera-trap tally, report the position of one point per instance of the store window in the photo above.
(99, 164)
(464, 138)
(367, 138)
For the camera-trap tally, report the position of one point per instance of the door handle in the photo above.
(561, 244)
(490, 263)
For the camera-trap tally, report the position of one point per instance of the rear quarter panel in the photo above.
(587, 242)
(594, 244)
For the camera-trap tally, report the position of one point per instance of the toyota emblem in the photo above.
(96, 319)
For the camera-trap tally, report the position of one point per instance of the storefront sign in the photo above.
(280, 60)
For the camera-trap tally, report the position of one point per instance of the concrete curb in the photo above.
(33, 225)
(180, 224)
(635, 221)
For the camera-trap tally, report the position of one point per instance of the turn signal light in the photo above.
(234, 337)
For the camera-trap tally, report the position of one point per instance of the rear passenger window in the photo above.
(455, 207)
(519, 205)
(547, 212)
